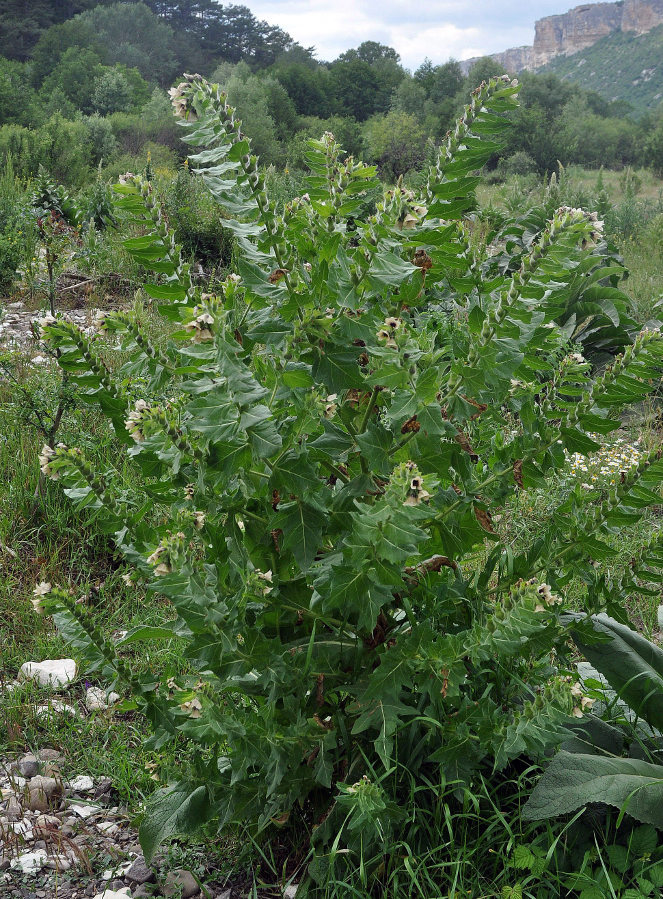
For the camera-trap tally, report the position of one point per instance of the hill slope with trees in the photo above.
(622, 66)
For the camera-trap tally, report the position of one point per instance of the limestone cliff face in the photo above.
(578, 28)
(642, 16)
(572, 31)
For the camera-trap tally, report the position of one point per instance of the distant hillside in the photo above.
(622, 66)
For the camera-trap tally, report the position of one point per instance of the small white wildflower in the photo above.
(47, 320)
(179, 102)
(162, 569)
(126, 178)
(42, 589)
(389, 340)
(99, 321)
(198, 520)
(45, 457)
(193, 708)
(134, 419)
(416, 493)
(199, 327)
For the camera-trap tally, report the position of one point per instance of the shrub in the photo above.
(519, 163)
(100, 136)
(330, 465)
(195, 219)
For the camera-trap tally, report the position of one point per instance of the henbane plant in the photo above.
(328, 439)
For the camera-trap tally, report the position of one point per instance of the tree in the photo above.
(308, 88)
(75, 76)
(111, 92)
(654, 147)
(396, 141)
(384, 63)
(355, 86)
(22, 22)
(483, 69)
(249, 94)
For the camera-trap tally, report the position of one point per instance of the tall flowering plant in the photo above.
(329, 439)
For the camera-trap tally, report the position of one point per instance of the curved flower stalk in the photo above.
(106, 323)
(575, 222)
(157, 250)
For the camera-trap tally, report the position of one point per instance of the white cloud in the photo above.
(437, 29)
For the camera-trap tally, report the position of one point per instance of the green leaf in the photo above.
(297, 375)
(146, 633)
(572, 781)
(178, 809)
(390, 270)
(631, 664)
(643, 841)
(302, 527)
(375, 444)
(337, 369)
(173, 292)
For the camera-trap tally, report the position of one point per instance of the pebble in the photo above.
(51, 787)
(180, 883)
(56, 707)
(98, 699)
(143, 891)
(81, 784)
(29, 765)
(13, 809)
(84, 810)
(46, 824)
(49, 673)
(49, 755)
(58, 863)
(140, 872)
(30, 862)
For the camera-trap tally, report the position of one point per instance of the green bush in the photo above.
(519, 163)
(195, 219)
(330, 441)
(17, 227)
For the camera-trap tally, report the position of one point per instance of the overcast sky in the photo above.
(437, 29)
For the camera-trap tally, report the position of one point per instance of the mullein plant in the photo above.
(329, 454)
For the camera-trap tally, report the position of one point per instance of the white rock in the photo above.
(84, 810)
(81, 784)
(291, 891)
(113, 873)
(124, 893)
(30, 862)
(107, 827)
(50, 672)
(96, 699)
(659, 617)
(55, 708)
(58, 863)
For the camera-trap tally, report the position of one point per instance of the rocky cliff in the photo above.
(577, 29)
